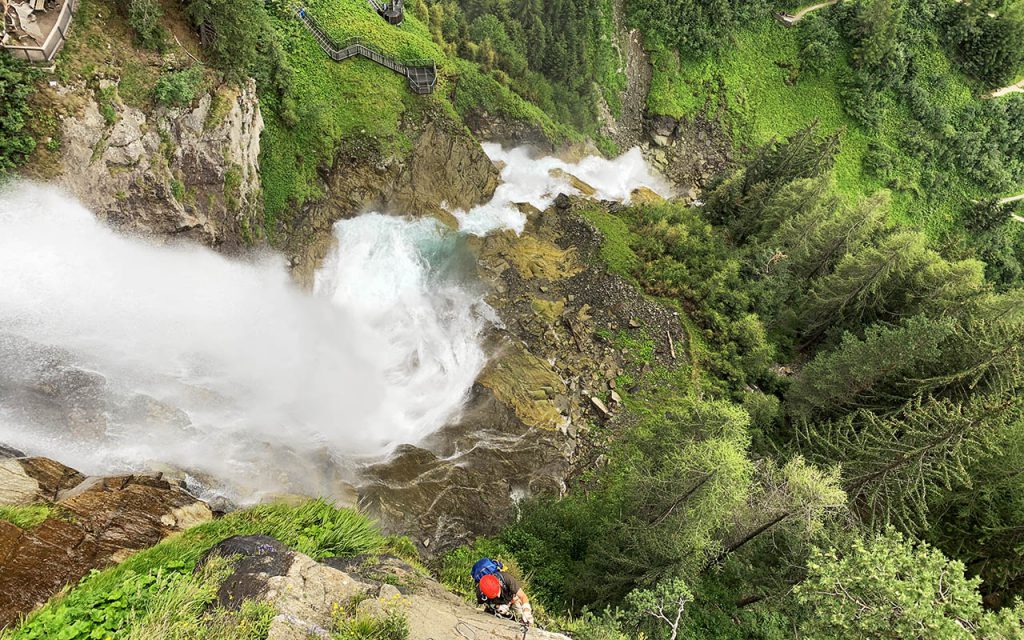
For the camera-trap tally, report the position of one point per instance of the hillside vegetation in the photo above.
(889, 75)
(839, 455)
(159, 593)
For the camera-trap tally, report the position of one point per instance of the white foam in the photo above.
(527, 179)
(383, 353)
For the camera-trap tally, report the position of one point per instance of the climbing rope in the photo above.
(470, 628)
(468, 631)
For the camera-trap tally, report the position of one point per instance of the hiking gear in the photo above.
(490, 586)
(526, 614)
(485, 567)
(509, 589)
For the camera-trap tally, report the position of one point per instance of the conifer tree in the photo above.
(798, 497)
(889, 587)
(983, 526)
(869, 373)
(856, 293)
(893, 465)
(737, 201)
(896, 278)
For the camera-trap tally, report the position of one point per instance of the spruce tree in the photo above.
(894, 465)
(738, 200)
(869, 373)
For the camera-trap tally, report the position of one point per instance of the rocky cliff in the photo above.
(191, 171)
(88, 523)
(308, 595)
(567, 326)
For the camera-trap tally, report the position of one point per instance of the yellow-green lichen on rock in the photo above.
(526, 383)
(534, 257)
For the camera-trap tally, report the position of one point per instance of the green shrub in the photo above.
(16, 83)
(144, 19)
(106, 604)
(178, 88)
(178, 190)
(107, 100)
(169, 602)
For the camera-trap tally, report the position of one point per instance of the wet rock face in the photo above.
(10, 452)
(96, 522)
(689, 153)
(46, 389)
(466, 477)
(552, 375)
(192, 171)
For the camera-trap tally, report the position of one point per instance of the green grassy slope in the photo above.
(119, 601)
(358, 104)
(755, 88)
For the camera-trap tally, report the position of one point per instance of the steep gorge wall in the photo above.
(192, 171)
(446, 169)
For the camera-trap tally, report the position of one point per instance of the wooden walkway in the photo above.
(421, 74)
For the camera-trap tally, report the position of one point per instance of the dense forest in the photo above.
(868, 487)
(842, 459)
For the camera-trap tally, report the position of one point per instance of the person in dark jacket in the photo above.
(500, 593)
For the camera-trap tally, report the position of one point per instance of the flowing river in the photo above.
(119, 354)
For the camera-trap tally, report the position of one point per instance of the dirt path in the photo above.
(789, 19)
(1017, 87)
(1016, 198)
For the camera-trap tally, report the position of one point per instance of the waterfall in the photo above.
(118, 353)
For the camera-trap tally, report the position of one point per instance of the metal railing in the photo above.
(421, 74)
(54, 41)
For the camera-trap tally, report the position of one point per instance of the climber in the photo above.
(500, 592)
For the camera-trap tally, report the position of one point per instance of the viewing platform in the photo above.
(35, 30)
(393, 12)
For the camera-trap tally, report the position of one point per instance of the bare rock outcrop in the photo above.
(191, 171)
(311, 597)
(446, 169)
(94, 522)
(689, 152)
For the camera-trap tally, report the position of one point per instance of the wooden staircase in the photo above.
(421, 74)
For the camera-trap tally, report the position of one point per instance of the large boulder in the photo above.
(26, 481)
(574, 182)
(95, 522)
(446, 169)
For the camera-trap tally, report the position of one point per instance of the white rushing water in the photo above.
(383, 353)
(526, 178)
(119, 354)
